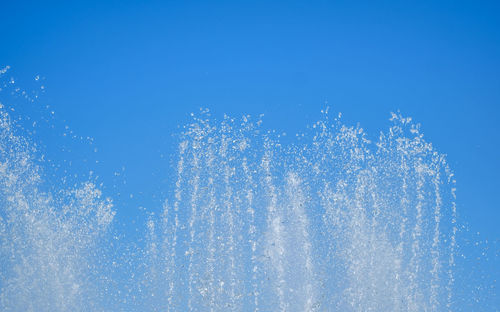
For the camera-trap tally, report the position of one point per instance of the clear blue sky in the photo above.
(128, 73)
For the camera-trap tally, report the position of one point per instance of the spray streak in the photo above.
(274, 224)
(402, 232)
(193, 217)
(415, 248)
(178, 198)
(451, 260)
(298, 201)
(211, 233)
(251, 233)
(435, 241)
(229, 213)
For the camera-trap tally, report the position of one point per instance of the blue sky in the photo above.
(129, 73)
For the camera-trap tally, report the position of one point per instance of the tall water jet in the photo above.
(48, 236)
